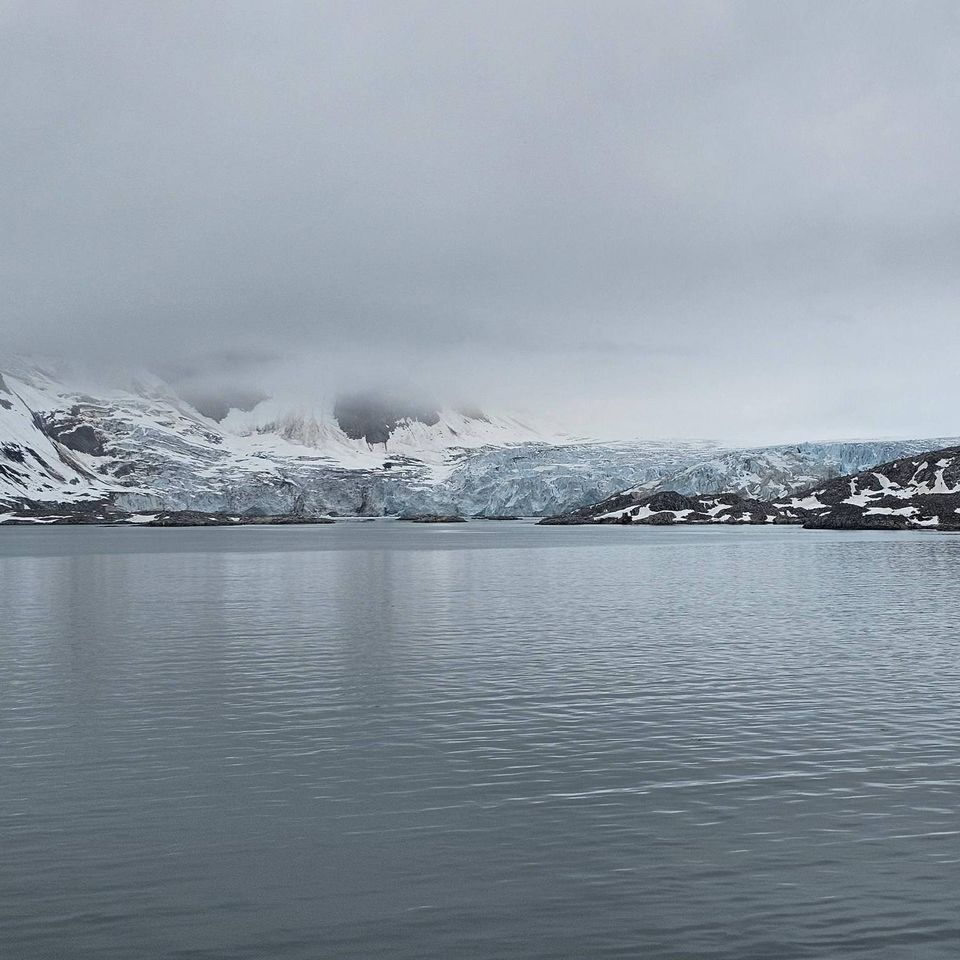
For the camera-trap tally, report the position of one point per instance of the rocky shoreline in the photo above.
(433, 518)
(106, 515)
(668, 508)
(193, 519)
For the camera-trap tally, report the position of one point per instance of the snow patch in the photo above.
(890, 511)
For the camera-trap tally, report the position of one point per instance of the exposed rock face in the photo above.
(77, 436)
(852, 518)
(374, 418)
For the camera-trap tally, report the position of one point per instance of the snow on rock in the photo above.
(915, 491)
(670, 507)
(33, 463)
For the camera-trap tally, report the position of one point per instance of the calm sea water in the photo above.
(488, 740)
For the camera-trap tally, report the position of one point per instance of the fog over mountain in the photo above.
(714, 219)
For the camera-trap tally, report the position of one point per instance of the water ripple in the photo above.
(506, 741)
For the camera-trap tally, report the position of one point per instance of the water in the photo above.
(478, 741)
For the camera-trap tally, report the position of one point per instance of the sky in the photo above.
(735, 220)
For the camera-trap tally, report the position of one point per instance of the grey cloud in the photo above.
(712, 218)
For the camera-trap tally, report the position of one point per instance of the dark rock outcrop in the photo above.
(668, 507)
(918, 492)
(192, 518)
(432, 518)
(105, 512)
(82, 438)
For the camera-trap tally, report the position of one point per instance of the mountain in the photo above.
(33, 463)
(137, 446)
(73, 443)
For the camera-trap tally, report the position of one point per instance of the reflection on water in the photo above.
(488, 740)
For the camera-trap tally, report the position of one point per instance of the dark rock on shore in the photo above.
(104, 512)
(850, 518)
(28, 512)
(433, 518)
(190, 518)
(668, 507)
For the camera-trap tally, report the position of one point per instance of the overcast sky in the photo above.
(738, 220)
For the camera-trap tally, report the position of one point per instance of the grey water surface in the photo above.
(484, 740)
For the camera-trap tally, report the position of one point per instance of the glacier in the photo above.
(69, 441)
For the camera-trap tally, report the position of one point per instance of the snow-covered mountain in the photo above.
(435, 438)
(33, 464)
(141, 447)
(70, 442)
